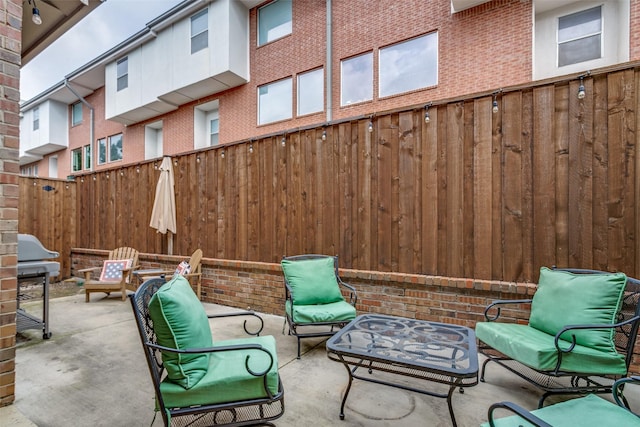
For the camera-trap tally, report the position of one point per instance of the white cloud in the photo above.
(109, 24)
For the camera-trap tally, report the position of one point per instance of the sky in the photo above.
(109, 24)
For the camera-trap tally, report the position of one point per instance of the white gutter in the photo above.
(92, 124)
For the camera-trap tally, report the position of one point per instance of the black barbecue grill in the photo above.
(33, 267)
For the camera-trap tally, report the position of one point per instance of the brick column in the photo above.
(10, 58)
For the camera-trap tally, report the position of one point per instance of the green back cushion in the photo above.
(312, 281)
(180, 322)
(564, 298)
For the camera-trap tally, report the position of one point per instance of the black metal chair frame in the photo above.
(242, 413)
(293, 326)
(618, 397)
(626, 332)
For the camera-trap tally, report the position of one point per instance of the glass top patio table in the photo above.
(439, 352)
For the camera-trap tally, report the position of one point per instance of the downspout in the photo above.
(329, 84)
(91, 118)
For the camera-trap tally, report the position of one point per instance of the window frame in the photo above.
(368, 84)
(301, 92)
(287, 97)
(101, 159)
(122, 79)
(76, 113)
(414, 70)
(110, 149)
(36, 118)
(213, 134)
(76, 160)
(585, 36)
(204, 32)
(86, 156)
(260, 18)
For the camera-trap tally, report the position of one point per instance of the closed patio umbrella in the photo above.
(163, 215)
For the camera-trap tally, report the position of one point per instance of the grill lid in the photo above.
(30, 249)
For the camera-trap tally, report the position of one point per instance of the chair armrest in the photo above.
(517, 410)
(84, 270)
(244, 324)
(592, 326)
(618, 389)
(497, 305)
(353, 295)
(225, 348)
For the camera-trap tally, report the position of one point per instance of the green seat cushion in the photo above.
(227, 379)
(312, 281)
(332, 312)
(564, 298)
(180, 322)
(536, 349)
(588, 411)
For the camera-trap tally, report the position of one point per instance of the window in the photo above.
(102, 151)
(409, 65)
(580, 36)
(199, 31)
(214, 132)
(274, 101)
(356, 78)
(110, 149)
(123, 73)
(36, 118)
(115, 147)
(311, 92)
(76, 160)
(87, 156)
(76, 114)
(274, 21)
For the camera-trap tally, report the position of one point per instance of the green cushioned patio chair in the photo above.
(314, 303)
(588, 411)
(580, 337)
(199, 381)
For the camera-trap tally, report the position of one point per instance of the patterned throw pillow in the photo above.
(112, 269)
(183, 268)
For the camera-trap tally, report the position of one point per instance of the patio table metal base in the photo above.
(436, 352)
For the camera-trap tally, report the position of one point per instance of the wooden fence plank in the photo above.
(544, 172)
(562, 179)
(483, 188)
(512, 167)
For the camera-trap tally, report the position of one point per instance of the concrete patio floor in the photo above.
(92, 372)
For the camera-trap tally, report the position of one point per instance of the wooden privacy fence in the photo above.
(549, 179)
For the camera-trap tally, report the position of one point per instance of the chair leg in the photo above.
(298, 347)
(86, 296)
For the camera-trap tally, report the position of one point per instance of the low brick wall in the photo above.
(259, 286)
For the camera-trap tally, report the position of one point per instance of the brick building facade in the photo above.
(476, 53)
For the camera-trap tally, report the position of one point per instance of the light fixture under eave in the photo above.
(35, 14)
(251, 148)
(283, 142)
(324, 134)
(85, 2)
(370, 126)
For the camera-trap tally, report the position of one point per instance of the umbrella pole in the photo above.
(169, 243)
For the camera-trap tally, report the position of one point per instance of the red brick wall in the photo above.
(10, 48)
(259, 286)
(480, 49)
(634, 31)
(477, 52)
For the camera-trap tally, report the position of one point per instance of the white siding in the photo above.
(615, 33)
